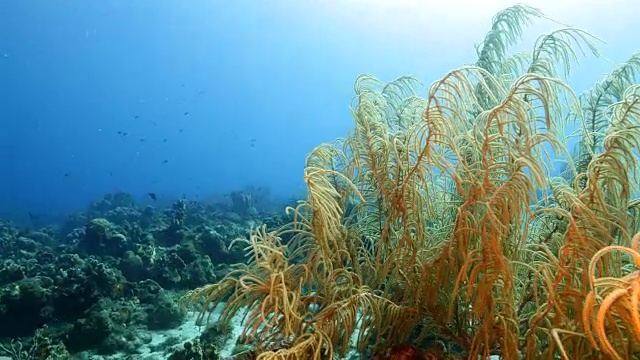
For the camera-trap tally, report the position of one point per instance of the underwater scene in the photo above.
(293, 180)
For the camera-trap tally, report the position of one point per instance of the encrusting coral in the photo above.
(438, 218)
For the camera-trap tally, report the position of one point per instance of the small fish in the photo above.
(186, 113)
(153, 196)
(142, 139)
(164, 140)
(136, 117)
(66, 175)
(165, 161)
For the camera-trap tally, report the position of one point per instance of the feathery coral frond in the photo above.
(437, 217)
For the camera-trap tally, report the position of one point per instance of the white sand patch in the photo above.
(158, 345)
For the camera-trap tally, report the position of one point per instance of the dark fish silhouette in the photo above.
(165, 161)
(33, 216)
(153, 196)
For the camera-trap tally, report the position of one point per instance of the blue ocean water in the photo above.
(196, 100)
(203, 97)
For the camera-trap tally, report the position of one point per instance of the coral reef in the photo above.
(439, 219)
(107, 277)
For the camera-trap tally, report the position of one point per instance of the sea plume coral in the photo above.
(438, 218)
(616, 300)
